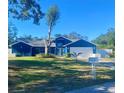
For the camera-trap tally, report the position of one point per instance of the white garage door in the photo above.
(86, 51)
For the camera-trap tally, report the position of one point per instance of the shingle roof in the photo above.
(78, 41)
(34, 43)
(40, 43)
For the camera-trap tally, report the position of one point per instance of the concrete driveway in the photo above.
(103, 88)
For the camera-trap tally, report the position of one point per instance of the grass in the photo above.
(52, 75)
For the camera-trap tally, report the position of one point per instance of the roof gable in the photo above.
(80, 43)
(62, 38)
(20, 41)
(60, 41)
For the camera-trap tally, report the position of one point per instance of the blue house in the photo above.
(60, 46)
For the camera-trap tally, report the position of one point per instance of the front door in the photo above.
(60, 52)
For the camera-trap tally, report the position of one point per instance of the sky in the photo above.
(86, 17)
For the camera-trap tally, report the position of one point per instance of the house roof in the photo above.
(34, 43)
(22, 42)
(64, 38)
(41, 43)
(72, 40)
(85, 43)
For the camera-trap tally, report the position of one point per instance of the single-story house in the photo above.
(60, 46)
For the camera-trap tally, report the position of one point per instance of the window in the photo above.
(59, 44)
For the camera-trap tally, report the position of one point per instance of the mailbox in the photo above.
(93, 60)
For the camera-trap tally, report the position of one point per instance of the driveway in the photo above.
(103, 88)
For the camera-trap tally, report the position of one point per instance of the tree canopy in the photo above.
(12, 33)
(106, 40)
(25, 10)
(28, 38)
(52, 16)
(73, 36)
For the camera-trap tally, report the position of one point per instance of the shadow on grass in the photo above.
(45, 62)
(102, 88)
(60, 84)
(57, 79)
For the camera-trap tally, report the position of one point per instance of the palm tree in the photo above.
(74, 54)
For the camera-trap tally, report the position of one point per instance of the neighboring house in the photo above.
(10, 54)
(104, 52)
(60, 47)
(9, 51)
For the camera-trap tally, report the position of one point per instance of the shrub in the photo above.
(45, 56)
(68, 55)
(112, 55)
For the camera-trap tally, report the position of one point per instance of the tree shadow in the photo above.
(57, 82)
(104, 88)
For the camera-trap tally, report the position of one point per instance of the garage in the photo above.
(81, 46)
(86, 51)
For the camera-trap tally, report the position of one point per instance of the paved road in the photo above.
(103, 88)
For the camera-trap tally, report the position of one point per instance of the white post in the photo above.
(93, 72)
(93, 60)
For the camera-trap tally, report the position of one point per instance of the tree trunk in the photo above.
(49, 40)
(46, 48)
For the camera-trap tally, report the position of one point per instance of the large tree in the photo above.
(29, 38)
(106, 40)
(25, 10)
(31, 9)
(12, 33)
(73, 36)
(52, 17)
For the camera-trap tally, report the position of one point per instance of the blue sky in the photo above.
(86, 17)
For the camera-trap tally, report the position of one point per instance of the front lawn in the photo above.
(52, 75)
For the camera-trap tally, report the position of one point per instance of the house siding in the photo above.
(86, 52)
(22, 49)
(41, 50)
(61, 41)
(62, 47)
(37, 50)
(83, 43)
(59, 45)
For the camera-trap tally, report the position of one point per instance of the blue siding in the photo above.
(52, 50)
(61, 41)
(21, 49)
(82, 43)
(65, 50)
(37, 50)
(41, 50)
(94, 49)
